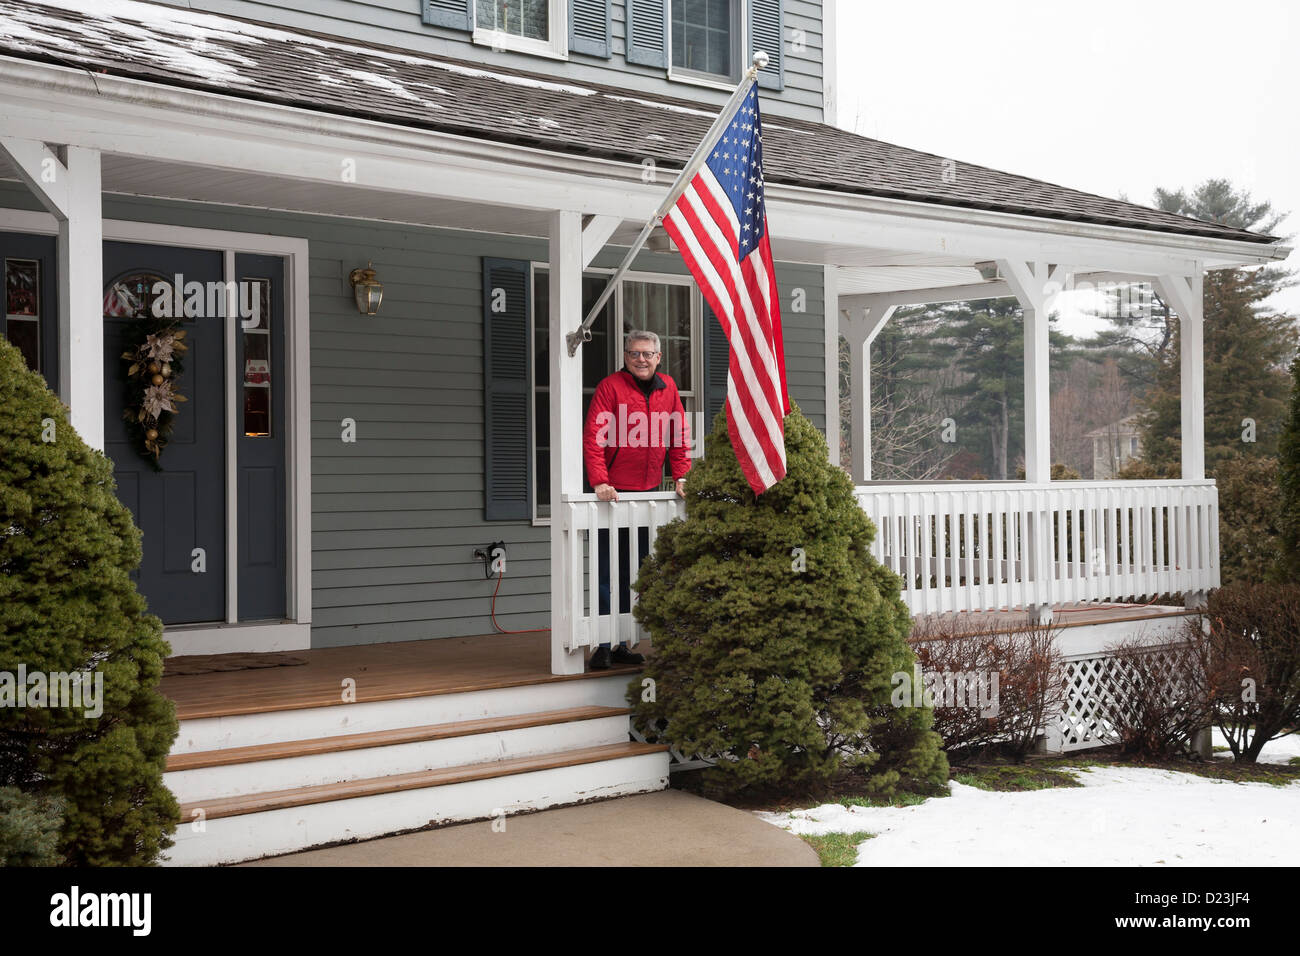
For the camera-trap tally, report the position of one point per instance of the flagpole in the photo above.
(698, 159)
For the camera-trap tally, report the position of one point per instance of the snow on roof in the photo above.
(169, 45)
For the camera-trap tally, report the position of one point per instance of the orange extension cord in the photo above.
(500, 629)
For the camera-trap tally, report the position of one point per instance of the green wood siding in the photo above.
(397, 515)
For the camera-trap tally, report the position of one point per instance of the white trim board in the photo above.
(295, 633)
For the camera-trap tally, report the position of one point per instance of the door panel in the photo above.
(182, 507)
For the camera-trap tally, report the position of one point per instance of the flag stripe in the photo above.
(749, 332)
(719, 223)
(709, 282)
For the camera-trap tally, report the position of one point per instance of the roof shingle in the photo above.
(254, 61)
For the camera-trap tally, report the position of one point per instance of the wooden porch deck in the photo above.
(460, 664)
(382, 672)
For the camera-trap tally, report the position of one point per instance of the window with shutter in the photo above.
(456, 14)
(507, 312)
(589, 27)
(767, 33)
(525, 26)
(705, 38)
(647, 32)
(717, 358)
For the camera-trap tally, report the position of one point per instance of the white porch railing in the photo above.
(581, 521)
(958, 546)
(969, 546)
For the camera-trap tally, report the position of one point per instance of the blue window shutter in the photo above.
(717, 359)
(767, 33)
(457, 14)
(589, 27)
(647, 32)
(507, 323)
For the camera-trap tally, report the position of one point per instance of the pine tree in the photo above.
(776, 633)
(1246, 349)
(67, 604)
(1288, 468)
(985, 342)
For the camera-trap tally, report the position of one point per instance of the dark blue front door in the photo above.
(181, 510)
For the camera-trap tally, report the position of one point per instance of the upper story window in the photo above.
(705, 37)
(528, 26)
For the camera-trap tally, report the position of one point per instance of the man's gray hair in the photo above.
(640, 335)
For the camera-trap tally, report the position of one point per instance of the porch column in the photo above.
(566, 258)
(831, 331)
(860, 325)
(1036, 285)
(1184, 294)
(68, 184)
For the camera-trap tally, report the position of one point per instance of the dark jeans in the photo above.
(624, 569)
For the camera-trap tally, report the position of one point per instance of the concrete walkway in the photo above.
(667, 828)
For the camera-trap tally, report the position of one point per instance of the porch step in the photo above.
(382, 738)
(314, 720)
(275, 822)
(262, 783)
(303, 796)
(211, 775)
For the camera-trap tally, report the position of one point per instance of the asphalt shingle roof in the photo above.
(253, 61)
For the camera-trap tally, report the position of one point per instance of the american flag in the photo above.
(720, 226)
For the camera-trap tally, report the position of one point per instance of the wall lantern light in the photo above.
(369, 292)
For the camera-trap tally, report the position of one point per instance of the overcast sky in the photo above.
(1114, 98)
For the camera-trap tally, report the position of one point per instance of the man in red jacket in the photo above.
(635, 420)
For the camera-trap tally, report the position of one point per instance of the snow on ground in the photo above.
(1121, 816)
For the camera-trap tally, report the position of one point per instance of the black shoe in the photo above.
(622, 656)
(600, 659)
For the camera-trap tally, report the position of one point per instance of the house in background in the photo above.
(1114, 446)
(338, 466)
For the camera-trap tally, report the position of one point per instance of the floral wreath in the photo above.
(154, 347)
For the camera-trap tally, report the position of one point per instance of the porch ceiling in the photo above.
(140, 176)
(874, 270)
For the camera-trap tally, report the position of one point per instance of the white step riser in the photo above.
(247, 730)
(251, 836)
(210, 783)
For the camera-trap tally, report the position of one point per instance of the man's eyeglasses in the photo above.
(644, 355)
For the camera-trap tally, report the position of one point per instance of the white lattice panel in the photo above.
(1096, 694)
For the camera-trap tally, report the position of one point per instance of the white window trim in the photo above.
(557, 48)
(740, 61)
(697, 356)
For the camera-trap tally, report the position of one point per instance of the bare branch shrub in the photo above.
(1254, 654)
(1030, 682)
(1156, 698)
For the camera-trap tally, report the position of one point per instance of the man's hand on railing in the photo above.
(681, 487)
(606, 493)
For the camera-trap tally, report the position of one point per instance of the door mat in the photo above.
(191, 664)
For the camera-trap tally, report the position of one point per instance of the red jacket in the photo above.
(628, 433)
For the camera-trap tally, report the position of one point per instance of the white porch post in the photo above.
(1184, 294)
(1036, 285)
(68, 185)
(831, 330)
(566, 259)
(860, 325)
